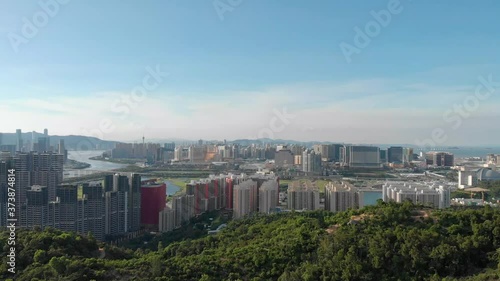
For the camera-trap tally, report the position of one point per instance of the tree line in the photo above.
(389, 241)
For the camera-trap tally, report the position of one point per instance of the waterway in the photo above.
(370, 197)
(84, 156)
(172, 188)
(95, 165)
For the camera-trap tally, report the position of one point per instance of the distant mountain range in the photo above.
(78, 142)
(279, 141)
(72, 142)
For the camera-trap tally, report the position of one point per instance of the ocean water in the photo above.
(464, 151)
(474, 152)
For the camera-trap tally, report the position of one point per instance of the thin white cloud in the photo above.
(359, 111)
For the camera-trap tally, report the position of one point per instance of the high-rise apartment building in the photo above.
(166, 220)
(44, 169)
(47, 170)
(245, 199)
(395, 155)
(149, 151)
(152, 203)
(231, 181)
(311, 162)
(383, 157)
(91, 212)
(196, 154)
(169, 146)
(6, 163)
(268, 197)
(115, 213)
(34, 140)
(340, 197)
(42, 145)
(61, 149)
(440, 159)
(297, 149)
(303, 196)
(209, 194)
(65, 208)
(122, 203)
(356, 156)
(262, 178)
(407, 155)
(284, 158)
(328, 152)
(183, 208)
(134, 204)
(10, 148)
(36, 208)
(19, 140)
(425, 193)
(108, 210)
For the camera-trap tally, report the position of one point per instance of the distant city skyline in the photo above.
(215, 77)
(276, 141)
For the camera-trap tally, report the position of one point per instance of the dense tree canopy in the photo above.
(384, 242)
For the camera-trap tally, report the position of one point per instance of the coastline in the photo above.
(117, 161)
(76, 165)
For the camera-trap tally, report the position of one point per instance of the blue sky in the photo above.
(227, 74)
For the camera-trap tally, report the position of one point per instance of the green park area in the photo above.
(319, 183)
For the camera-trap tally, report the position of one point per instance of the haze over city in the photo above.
(253, 140)
(220, 73)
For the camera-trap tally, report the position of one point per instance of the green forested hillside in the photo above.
(386, 242)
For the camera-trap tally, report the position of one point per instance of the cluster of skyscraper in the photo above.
(307, 160)
(206, 153)
(37, 143)
(242, 194)
(354, 156)
(43, 169)
(150, 151)
(193, 153)
(42, 201)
